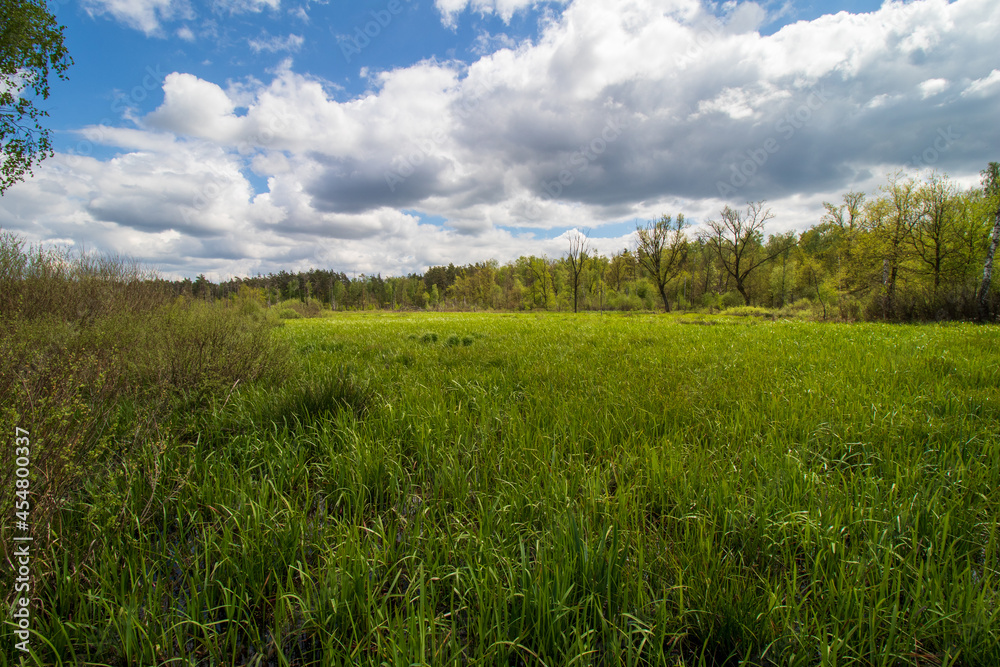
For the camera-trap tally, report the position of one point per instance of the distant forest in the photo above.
(920, 248)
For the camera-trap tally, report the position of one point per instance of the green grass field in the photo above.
(489, 489)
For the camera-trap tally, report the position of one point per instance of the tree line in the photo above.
(920, 248)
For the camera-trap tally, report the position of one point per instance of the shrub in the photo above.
(310, 308)
(731, 299)
(95, 357)
(748, 311)
(195, 349)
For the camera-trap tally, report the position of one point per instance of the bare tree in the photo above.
(991, 188)
(578, 253)
(662, 249)
(737, 240)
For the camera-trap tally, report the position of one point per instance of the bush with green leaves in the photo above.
(97, 359)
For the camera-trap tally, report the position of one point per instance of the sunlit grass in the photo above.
(559, 490)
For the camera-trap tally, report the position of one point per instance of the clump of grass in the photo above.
(452, 340)
(316, 397)
(748, 311)
(429, 337)
(467, 341)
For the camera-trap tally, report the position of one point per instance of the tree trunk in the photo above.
(886, 290)
(663, 296)
(984, 303)
(742, 290)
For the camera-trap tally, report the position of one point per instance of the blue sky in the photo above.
(233, 137)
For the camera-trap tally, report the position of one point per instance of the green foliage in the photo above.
(587, 490)
(31, 45)
(915, 249)
(308, 308)
(730, 299)
(199, 350)
(96, 360)
(662, 249)
(748, 311)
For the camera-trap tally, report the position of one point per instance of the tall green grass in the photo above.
(97, 359)
(558, 490)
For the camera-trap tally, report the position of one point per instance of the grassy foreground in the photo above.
(559, 490)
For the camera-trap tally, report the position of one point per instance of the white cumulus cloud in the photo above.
(617, 111)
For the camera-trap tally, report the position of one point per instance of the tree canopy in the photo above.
(31, 48)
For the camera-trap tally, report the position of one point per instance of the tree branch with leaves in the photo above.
(991, 189)
(737, 240)
(662, 249)
(31, 48)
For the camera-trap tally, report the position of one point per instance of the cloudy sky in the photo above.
(231, 137)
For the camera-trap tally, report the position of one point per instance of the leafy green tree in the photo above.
(337, 294)
(784, 243)
(891, 219)
(31, 46)
(991, 188)
(935, 237)
(847, 218)
(538, 275)
(662, 249)
(620, 269)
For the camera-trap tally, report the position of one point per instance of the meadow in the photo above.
(554, 489)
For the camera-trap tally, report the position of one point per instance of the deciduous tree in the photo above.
(577, 258)
(662, 249)
(891, 219)
(737, 240)
(991, 188)
(31, 47)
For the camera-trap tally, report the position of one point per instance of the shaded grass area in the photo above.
(556, 490)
